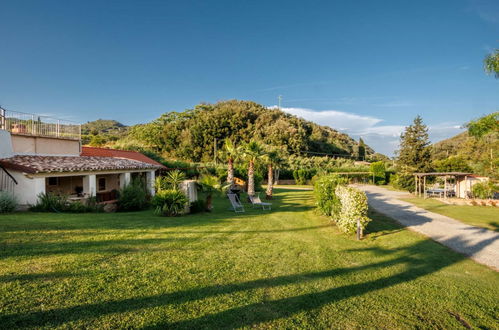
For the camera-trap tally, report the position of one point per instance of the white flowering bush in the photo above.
(353, 207)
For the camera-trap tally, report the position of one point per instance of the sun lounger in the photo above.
(236, 203)
(256, 201)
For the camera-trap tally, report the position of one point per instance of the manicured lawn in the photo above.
(480, 216)
(287, 268)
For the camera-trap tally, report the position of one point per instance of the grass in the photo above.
(480, 216)
(287, 268)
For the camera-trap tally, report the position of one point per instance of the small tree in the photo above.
(252, 152)
(414, 154)
(273, 159)
(209, 184)
(361, 150)
(230, 153)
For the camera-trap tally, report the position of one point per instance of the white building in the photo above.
(40, 154)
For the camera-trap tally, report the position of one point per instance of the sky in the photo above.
(364, 67)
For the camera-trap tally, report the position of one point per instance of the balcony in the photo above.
(20, 123)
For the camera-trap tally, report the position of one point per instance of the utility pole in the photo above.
(280, 99)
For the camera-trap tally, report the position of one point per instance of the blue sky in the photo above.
(366, 67)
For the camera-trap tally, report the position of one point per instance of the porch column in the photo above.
(89, 185)
(150, 177)
(125, 179)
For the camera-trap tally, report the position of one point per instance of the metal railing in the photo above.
(30, 124)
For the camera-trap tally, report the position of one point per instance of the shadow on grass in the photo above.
(417, 260)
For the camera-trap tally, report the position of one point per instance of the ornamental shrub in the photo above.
(133, 197)
(483, 190)
(169, 202)
(324, 190)
(8, 202)
(353, 207)
(48, 202)
(302, 175)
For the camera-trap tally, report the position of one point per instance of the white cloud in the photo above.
(382, 138)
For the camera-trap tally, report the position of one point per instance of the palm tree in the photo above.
(273, 159)
(209, 184)
(252, 152)
(231, 153)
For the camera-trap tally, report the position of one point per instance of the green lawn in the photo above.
(481, 216)
(287, 268)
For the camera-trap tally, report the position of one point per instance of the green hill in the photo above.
(192, 134)
(101, 131)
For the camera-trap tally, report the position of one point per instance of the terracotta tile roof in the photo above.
(105, 152)
(53, 164)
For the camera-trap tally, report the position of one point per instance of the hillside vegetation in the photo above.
(470, 152)
(192, 135)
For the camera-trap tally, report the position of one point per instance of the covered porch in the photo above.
(455, 184)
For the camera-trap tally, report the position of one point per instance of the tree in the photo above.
(414, 154)
(273, 159)
(491, 63)
(361, 150)
(252, 152)
(230, 153)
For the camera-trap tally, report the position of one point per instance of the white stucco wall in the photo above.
(5, 144)
(27, 189)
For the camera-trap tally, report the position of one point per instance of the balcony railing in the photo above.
(29, 124)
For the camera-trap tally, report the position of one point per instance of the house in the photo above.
(40, 154)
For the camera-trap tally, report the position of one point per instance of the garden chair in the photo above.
(256, 201)
(236, 203)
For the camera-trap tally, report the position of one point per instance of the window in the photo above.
(53, 181)
(102, 184)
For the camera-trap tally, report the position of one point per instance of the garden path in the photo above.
(480, 244)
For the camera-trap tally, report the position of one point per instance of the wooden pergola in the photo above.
(420, 180)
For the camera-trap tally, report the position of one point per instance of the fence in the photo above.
(29, 124)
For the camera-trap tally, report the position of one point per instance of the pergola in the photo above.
(420, 179)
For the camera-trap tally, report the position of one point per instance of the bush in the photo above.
(324, 190)
(378, 170)
(48, 202)
(403, 181)
(302, 175)
(8, 202)
(169, 202)
(133, 197)
(353, 207)
(483, 190)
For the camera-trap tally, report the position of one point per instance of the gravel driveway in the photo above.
(480, 244)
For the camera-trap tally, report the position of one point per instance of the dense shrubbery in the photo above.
(133, 197)
(169, 202)
(353, 208)
(484, 190)
(345, 205)
(378, 171)
(48, 202)
(324, 189)
(403, 181)
(301, 176)
(8, 202)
